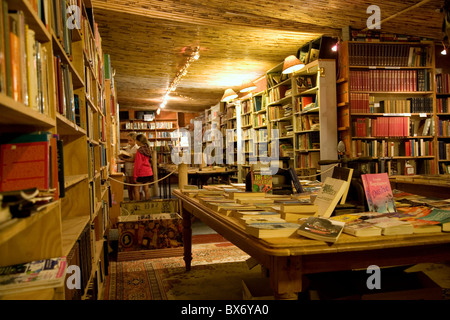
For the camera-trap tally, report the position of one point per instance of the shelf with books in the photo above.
(314, 115)
(386, 96)
(60, 104)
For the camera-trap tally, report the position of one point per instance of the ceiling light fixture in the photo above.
(444, 51)
(180, 74)
(229, 95)
(248, 86)
(292, 64)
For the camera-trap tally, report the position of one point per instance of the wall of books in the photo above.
(52, 96)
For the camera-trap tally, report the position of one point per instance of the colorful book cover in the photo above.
(378, 192)
(439, 215)
(261, 183)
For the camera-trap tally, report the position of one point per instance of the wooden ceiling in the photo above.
(150, 40)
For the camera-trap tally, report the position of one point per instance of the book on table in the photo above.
(392, 226)
(271, 230)
(255, 214)
(319, 228)
(329, 195)
(441, 216)
(343, 174)
(379, 196)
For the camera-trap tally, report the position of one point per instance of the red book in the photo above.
(24, 165)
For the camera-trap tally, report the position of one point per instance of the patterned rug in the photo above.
(214, 265)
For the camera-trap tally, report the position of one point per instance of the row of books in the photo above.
(246, 106)
(308, 141)
(259, 135)
(159, 134)
(365, 103)
(306, 122)
(443, 83)
(390, 80)
(383, 148)
(286, 150)
(277, 93)
(308, 160)
(259, 120)
(444, 150)
(246, 120)
(377, 36)
(444, 168)
(442, 105)
(25, 69)
(285, 128)
(149, 125)
(391, 127)
(393, 55)
(444, 128)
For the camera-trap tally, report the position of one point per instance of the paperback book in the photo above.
(41, 274)
(378, 192)
(271, 230)
(323, 229)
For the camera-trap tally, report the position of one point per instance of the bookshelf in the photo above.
(280, 114)
(157, 128)
(66, 97)
(315, 116)
(442, 85)
(386, 103)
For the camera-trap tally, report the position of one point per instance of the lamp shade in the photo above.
(292, 64)
(228, 95)
(248, 86)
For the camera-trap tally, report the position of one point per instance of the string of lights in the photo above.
(180, 74)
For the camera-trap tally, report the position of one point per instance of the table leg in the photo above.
(286, 277)
(187, 236)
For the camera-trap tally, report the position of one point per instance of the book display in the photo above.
(386, 104)
(65, 109)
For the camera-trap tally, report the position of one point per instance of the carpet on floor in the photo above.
(214, 265)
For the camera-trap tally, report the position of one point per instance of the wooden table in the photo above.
(195, 175)
(289, 259)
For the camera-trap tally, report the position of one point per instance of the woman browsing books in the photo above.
(128, 158)
(142, 166)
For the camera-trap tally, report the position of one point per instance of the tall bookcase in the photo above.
(386, 104)
(442, 111)
(69, 86)
(315, 116)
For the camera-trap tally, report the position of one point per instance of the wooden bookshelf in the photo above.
(314, 108)
(389, 88)
(78, 116)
